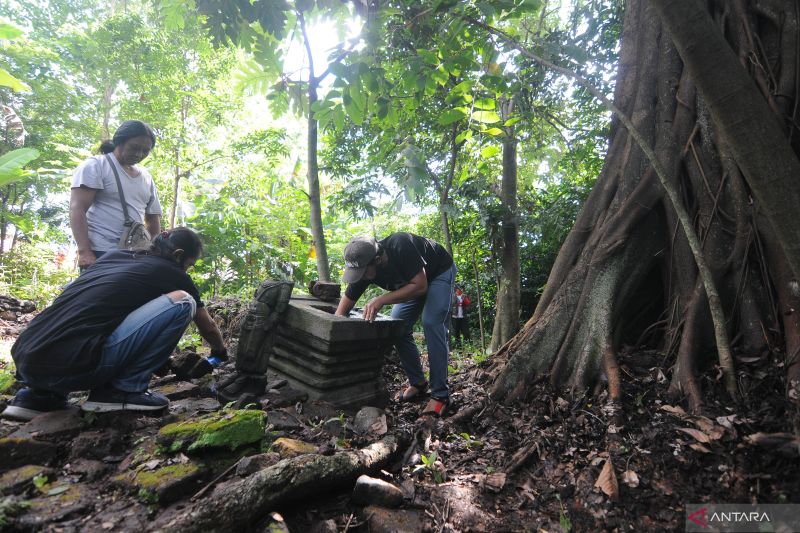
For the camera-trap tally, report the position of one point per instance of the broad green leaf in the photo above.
(7, 80)
(487, 117)
(355, 113)
(11, 163)
(452, 115)
(511, 121)
(490, 151)
(493, 131)
(440, 75)
(484, 103)
(463, 87)
(464, 136)
(8, 31)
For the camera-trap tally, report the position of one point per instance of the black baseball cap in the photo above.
(358, 254)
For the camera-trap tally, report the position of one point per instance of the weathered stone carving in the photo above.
(256, 340)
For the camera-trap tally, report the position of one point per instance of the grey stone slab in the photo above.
(343, 351)
(331, 367)
(343, 346)
(317, 319)
(53, 425)
(319, 381)
(356, 395)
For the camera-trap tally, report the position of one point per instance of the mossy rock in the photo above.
(163, 485)
(225, 429)
(7, 380)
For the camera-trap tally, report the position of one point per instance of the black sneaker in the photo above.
(108, 400)
(28, 403)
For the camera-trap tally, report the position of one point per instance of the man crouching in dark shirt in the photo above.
(111, 329)
(419, 275)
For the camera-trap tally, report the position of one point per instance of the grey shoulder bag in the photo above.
(134, 234)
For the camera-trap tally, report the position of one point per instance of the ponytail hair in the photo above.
(128, 130)
(106, 147)
(165, 243)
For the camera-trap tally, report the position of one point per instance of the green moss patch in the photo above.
(6, 381)
(225, 429)
(166, 484)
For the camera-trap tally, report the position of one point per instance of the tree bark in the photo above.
(314, 200)
(507, 304)
(626, 266)
(755, 135)
(241, 504)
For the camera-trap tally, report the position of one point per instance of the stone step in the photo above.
(329, 366)
(316, 380)
(344, 347)
(355, 395)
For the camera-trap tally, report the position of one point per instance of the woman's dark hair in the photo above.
(128, 130)
(166, 242)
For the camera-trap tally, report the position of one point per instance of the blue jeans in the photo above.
(435, 310)
(139, 346)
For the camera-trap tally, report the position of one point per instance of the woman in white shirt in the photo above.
(95, 209)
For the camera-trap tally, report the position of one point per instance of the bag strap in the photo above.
(119, 188)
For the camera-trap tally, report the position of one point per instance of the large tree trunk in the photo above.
(506, 322)
(626, 265)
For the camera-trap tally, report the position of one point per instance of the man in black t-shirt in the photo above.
(111, 329)
(419, 275)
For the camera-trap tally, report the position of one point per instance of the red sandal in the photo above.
(437, 407)
(412, 392)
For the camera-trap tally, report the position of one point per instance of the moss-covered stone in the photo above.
(292, 448)
(225, 429)
(164, 484)
(19, 479)
(6, 381)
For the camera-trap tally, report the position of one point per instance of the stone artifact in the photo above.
(333, 358)
(325, 290)
(256, 340)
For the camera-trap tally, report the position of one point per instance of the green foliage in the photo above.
(39, 481)
(9, 508)
(31, 272)
(429, 465)
(11, 164)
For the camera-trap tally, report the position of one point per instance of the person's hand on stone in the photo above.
(372, 309)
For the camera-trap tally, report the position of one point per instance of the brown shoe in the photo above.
(412, 392)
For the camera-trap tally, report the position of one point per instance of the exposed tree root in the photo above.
(240, 504)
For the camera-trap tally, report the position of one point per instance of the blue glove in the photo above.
(217, 357)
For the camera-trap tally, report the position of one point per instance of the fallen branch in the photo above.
(522, 456)
(242, 503)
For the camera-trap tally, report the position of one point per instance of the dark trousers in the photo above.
(459, 327)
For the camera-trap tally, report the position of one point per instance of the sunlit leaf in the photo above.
(452, 115)
(487, 117)
(490, 151)
(7, 80)
(11, 164)
(484, 103)
(9, 31)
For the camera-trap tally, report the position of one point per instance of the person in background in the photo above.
(95, 210)
(459, 326)
(419, 275)
(111, 328)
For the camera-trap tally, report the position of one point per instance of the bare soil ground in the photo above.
(554, 463)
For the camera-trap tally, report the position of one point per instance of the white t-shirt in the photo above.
(105, 217)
